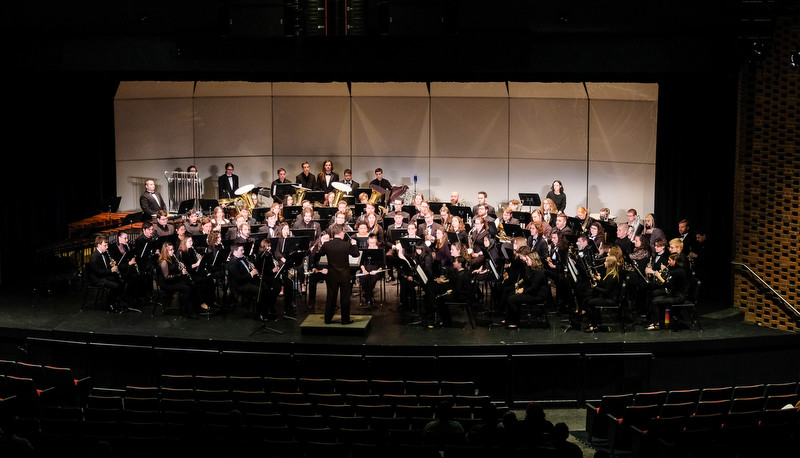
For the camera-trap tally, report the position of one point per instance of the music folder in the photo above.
(314, 196)
(523, 217)
(326, 213)
(282, 189)
(208, 205)
(465, 213)
(373, 256)
(452, 237)
(310, 234)
(436, 207)
(396, 234)
(185, 206)
(292, 211)
(200, 240)
(409, 243)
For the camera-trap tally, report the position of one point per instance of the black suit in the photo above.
(338, 279)
(149, 204)
(99, 274)
(309, 182)
(321, 182)
(226, 191)
(353, 184)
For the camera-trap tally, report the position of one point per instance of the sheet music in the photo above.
(422, 275)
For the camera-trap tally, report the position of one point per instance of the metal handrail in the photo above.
(793, 309)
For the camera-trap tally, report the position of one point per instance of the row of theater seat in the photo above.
(639, 422)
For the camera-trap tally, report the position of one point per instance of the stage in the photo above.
(530, 362)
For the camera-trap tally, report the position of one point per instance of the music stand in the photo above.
(207, 205)
(110, 205)
(280, 190)
(610, 230)
(436, 206)
(523, 217)
(465, 213)
(185, 206)
(359, 209)
(259, 213)
(200, 241)
(574, 224)
(396, 234)
(326, 213)
(531, 199)
(513, 230)
(292, 211)
(315, 196)
(351, 200)
(410, 209)
(367, 191)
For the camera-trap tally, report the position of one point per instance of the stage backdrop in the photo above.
(500, 137)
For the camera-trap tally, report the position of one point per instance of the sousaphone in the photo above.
(244, 199)
(341, 190)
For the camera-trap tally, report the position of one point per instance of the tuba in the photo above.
(244, 199)
(299, 194)
(340, 190)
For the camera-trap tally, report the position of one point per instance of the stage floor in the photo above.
(58, 315)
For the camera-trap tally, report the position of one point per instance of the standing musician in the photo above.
(327, 177)
(228, 183)
(151, 201)
(604, 293)
(280, 180)
(338, 279)
(557, 197)
(482, 195)
(174, 278)
(675, 288)
(163, 227)
(102, 271)
(480, 242)
(459, 283)
(192, 223)
(306, 179)
(201, 282)
(315, 272)
(530, 288)
(371, 270)
(380, 181)
(348, 180)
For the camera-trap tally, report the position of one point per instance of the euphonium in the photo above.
(244, 201)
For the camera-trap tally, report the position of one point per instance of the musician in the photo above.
(555, 266)
(455, 199)
(363, 198)
(585, 221)
(330, 199)
(201, 282)
(180, 231)
(228, 183)
(244, 212)
(380, 181)
(218, 218)
(460, 289)
(687, 237)
(145, 247)
(445, 217)
(650, 229)
(306, 204)
(561, 225)
(371, 271)
(150, 200)
(306, 179)
(514, 205)
(422, 209)
(192, 223)
(635, 225)
(327, 177)
(174, 278)
(306, 221)
(597, 235)
(536, 216)
(604, 293)
(410, 277)
(457, 227)
(482, 195)
(440, 248)
(125, 258)
(418, 199)
(623, 238)
(278, 197)
(483, 243)
(270, 225)
(287, 201)
(343, 208)
(538, 241)
(489, 221)
(316, 273)
(339, 220)
(531, 290)
(281, 253)
(549, 212)
(264, 262)
(557, 196)
(640, 258)
(243, 235)
(373, 227)
(348, 179)
(605, 214)
(362, 232)
(338, 278)
(101, 272)
(507, 216)
(162, 226)
(244, 279)
(675, 288)
(277, 209)
(397, 208)
(677, 246)
(427, 230)
(586, 249)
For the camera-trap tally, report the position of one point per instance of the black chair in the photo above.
(690, 304)
(100, 292)
(619, 306)
(597, 414)
(468, 304)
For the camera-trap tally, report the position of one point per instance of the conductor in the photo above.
(338, 279)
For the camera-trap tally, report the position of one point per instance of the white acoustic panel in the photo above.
(233, 126)
(469, 127)
(537, 175)
(623, 131)
(548, 128)
(232, 89)
(468, 176)
(620, 186)
(154, 128)
(311, 126)
(391, 126)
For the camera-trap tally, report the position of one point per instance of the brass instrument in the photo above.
(299, 194)
(469, 240)
(501, 233)
(340, 190)
(377, 193)
(244, 200)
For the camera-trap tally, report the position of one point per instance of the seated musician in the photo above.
(549, 212)
(369, 209)
(455, 199)
(362, 232)
(218, 218)
(125, 258)
(445, 217)
(316, 273)
(459, 288)
(144, 248)
(536, 216)
(675, 287)
(489, 221)
(513, 271)
(244, 212)
(307, 204)
(363, 198)
(507, 216)
(374, 227)
(582, 214)
(677, 246)
(554, 265)
(604, 293)
(174, 278)
(201, 281)
(162, 226)
(243, 235)
(348, 213)
(287, 201)
(192, 223)
(422, 209)
(440, 248)
(538, 241)
(417, 201)
(637, 281)
(561, 225)
(277, 209)
(339, 220)
(420, 256)
(306, 221)
(623, 241)
(514, 205)
(233, 232)
(479, 237)
(287, 285)
(605, 214)
(482, 195)
(597, 235)
(398, 209)
(427, 230)
(103, 272)
(270, 225)
(330, 199)
(245, 279)
(371, 271)
(458, 228)
(214, 251)
(531, 288)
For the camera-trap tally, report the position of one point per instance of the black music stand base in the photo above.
(263, 327)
